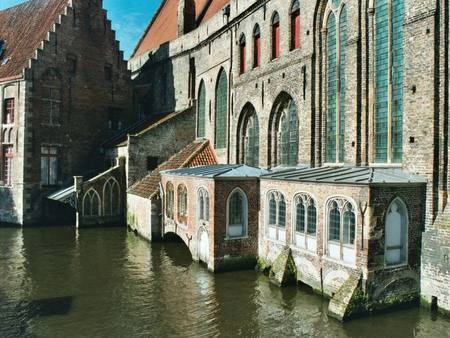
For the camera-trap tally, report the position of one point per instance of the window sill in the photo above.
(340, 262)
(334, 164)
(236, 238)
(304, 250)
(396, 266)
(386, 165)
(11, 124)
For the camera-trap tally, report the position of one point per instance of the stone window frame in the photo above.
(295, 36)
(50, 156)
(275, 36)
(91, 194)
(404, 234)
(242, 54)
(203, 215)
(248, 119)
(307, 201)
(111, 184)
(7, 165)
(256, 46)
(335, 146)
(277, 228)
(342, 203)
(170, 200)
(244, 215)
(9, 110)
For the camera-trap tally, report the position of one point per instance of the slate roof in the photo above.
(220, 170)
(23, 28)
(346, 175)
(164, 24)
(196, 153)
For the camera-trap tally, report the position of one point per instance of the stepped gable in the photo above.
(23, 28)
(198, 153)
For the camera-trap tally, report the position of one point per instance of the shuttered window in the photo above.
(201, 119)
(221, 111)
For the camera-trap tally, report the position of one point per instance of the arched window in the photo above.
(275, 36)
(111, 198)
(248, 143)
(305, 222)
(285, 137)
(203, 205)
(336, 82)
(182, 201)
(237, 215)
(170, 198)
(389, 73)
(396, 233)
(91, 203)
(341, 230)
(295, 25)
(256, 47)
(221, 111)
(242, 54)
(276, 216)
(201, 119)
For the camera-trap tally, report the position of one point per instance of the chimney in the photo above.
(186, 16)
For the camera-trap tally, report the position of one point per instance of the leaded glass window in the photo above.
(305, 217)
(203, 205)
(237, 214)
(300, 221)
(111, 198)
(272, 210)
(312, 219)
(277, 210)
(349, 226)
(201, 120)
(91, 203)
(389, 69)
(182, 200)
(251, 140)
(335, 223)
(170, 200)
(288, 135)
(221, 111)
(282, 213)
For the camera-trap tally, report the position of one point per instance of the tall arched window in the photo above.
(305, 222)
(256, 47)
(201, 119)
(336, 81)
(248, 142)
(285, 137)
(203, 206)
(295, 25)
(276, 216)
(275, 36)
(91, 204)
(389, 73)
(341, 230)
(111, 198)
(237, 214)
(182, 201)
(396, 233)
(170, 199)
(221, 110)
(242, 55)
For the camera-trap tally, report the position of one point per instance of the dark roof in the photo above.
(194, 154)
(346, 175)
(23, 28)
(220, 170)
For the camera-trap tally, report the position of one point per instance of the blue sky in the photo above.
(129, 18)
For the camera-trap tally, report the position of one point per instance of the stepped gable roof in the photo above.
(195, 154)
(220, 171)
(164, 25)
(23, 28)
(347, 176)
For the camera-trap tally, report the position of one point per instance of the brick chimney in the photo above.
(186, 16)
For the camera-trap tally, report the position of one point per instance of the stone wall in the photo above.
(140, 214)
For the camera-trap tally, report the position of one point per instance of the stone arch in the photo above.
(111, 197)
(231, 229)
(306, 269)
(91, 203)
(247, 139)
(397, 214)
(335, 279)
(406, 280)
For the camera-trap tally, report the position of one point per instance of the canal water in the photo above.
(59, 282)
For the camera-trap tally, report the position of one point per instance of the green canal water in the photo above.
(59, 282)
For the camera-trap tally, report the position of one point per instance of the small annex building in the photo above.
(144, 202)
(214, 210)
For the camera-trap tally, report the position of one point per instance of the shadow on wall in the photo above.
(8, 208)
(155, 84)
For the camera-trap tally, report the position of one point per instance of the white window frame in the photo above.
(273, 231)
(244, 211)
(200, 219)
(405, 234)
(309, 241)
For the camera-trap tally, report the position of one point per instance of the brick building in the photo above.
(329, 85)
(64, 88)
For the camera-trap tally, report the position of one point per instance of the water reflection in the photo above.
(109, 283)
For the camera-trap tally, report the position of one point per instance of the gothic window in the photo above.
(9, 108)
(336, 41)
(7, 157)
(237, 217)
(295, 25)
(341, 230)
(396, 233)
(305, 221)
(203, 205)
(49, 165)
(170, 199)
(182, 201)
(91, 204)
(111, 198)
(275, 36)
(52, 105)
(277, 216)
(242, 54)
(201, 120)
(221, 111)
(389, 73)
(256, 47)
(248, 142)
(285, 137)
